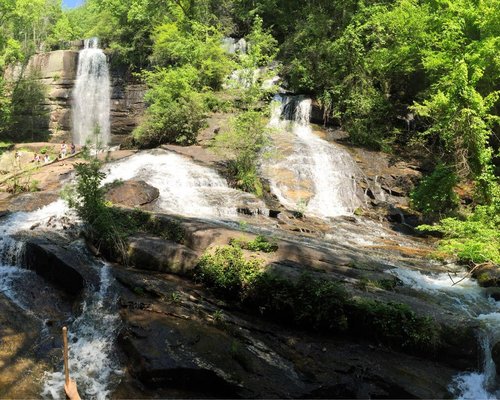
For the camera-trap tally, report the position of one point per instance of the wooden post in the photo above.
(65, 352)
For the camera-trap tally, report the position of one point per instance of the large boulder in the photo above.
(153, 253)
(63, 266)
(132, 193)
(177, 336)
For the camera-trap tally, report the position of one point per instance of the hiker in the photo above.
(36, 158)
(73, 148)
(71, 390)
(17, 157)
(46, 158)
(64, 149)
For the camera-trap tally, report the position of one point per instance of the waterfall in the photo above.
(186, 188)
(91, 96)
(317, 175)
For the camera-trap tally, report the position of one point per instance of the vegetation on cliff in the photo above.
(402, 74)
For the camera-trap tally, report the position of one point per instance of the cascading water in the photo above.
(91, 96)
(471, 300)
(186, 188)
(92, 334)
(320, 177)
(91, 337)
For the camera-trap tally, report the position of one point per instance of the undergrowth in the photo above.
(311, 303)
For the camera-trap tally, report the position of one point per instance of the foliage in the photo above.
(311, 302)
(260, 243)
(27, 110)
(190, 64)
(227, 272)
(244, 142)
(474, 240)
(176, 111)
(394, 324)
(435, 195)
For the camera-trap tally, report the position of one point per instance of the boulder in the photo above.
(177, 336)
(156, 254)
(132, 193)
(488, 275)
(32, 201)
(64, 267)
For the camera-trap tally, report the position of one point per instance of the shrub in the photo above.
(260, 243)
(243, 142)
(227, 272)
(394, 324)
(434, 194)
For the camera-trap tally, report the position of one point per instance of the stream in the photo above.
(324, 176)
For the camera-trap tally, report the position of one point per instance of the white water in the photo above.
(91, 345)
(470, 299)
(91, 96)
(92, 334)
(233, 46)
(186, 188)
(331, 169)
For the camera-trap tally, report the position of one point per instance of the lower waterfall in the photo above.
(314, 175)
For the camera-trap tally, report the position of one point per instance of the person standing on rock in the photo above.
(64, 149)
(73, 148)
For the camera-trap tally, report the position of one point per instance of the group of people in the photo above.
(37, 158)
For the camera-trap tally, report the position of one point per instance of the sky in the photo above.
(72, 3)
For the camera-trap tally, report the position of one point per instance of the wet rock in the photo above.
(153, 253)
(132, 193)
(495, 354)
(64, 267)
(488, 275)
(32, 201)
(182, 339)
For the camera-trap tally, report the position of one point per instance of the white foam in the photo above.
(185, 187)
(91, 338)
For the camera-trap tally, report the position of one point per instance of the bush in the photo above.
(260, 243)
(176, 112)
(394, 324)
(227, 272)
(243, 142)
(435, 195)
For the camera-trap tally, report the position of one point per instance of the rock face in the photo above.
(127, 106)
(177, 337)
(57, 71)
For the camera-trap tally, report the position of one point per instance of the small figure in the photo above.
(17, 157)
(64, 149)
(73, 148)
(46, 158)
(36, 158)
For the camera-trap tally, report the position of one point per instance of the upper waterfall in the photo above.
(314, 174)
(91, 96)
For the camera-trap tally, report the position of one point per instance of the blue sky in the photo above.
(72, 3)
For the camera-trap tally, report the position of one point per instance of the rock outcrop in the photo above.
(132, 193)
(57, 71)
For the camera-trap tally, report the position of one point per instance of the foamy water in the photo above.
(92, 354)
(185, 187)
(330, 169)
